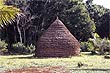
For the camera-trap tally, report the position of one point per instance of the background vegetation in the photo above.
(23, 25)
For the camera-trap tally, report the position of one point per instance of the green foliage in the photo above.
(72, 13)
(87, 46)
(7, 13)
(100, 16)
(96, 45)
(100, 45)
(81, 24)
(31, 48)
(103, 28)
(20, 48)
(3, 47)
(104, 46)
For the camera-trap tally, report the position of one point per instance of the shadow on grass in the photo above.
(92, 53)
(24, 57)
(33, 57)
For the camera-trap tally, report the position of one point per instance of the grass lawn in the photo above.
(92, 63)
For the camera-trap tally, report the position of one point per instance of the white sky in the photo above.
(105, 3)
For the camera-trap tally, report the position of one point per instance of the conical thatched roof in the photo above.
(57, 41)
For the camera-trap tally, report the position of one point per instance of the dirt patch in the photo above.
(58, 69)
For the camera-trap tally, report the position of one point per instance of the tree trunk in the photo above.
(24, 36)
(15, 36)
(19, 31)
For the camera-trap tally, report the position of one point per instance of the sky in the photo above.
(105, 3)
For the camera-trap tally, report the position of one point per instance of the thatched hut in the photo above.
(57, 41)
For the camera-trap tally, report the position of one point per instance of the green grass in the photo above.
(91, 62)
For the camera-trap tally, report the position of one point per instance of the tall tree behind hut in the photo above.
(100, 16)
(40, 14)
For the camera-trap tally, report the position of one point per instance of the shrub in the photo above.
(96, 45)
(104, 46)
(101, 45)
(31, 48)
(3, 47)
(20, 48)
(86, 46)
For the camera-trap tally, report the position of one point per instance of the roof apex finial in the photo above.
(57, 18)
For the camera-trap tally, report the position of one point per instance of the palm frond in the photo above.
(7, 14)
(1, 2)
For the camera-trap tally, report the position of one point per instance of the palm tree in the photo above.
(7, 13)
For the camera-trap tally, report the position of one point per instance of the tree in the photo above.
(104, 28)
(7, 15)
(40, 14)
(99, 15)
(95, 11)
(72, 13)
